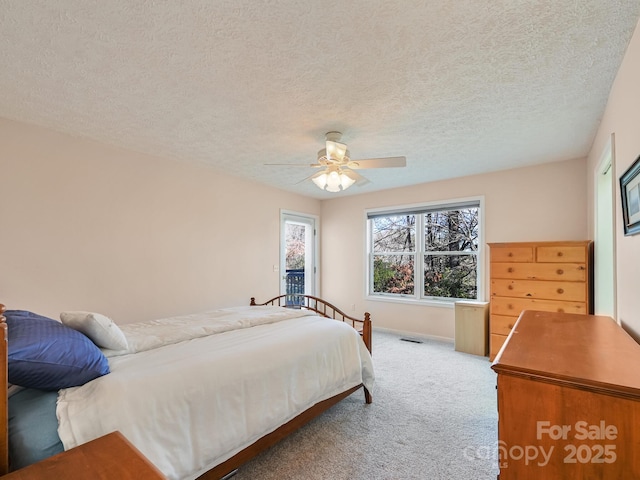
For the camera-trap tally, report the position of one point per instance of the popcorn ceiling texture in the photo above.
(458, 87)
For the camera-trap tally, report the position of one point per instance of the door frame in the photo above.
(313, 221)
(606, 164)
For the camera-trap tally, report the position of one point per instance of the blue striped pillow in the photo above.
(48, 355)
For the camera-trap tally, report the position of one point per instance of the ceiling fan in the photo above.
(338, 167)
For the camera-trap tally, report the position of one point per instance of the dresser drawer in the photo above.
(514, 306)
(566, 291)
(566, 272)
(512, 254)
(561, 253)
(502, 324)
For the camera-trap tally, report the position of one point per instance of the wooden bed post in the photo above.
(366, 331)
(4, 409)
(366, 336)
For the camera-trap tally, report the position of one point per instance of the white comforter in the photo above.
(194, 390)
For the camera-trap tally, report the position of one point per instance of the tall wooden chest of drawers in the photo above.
(544, 276)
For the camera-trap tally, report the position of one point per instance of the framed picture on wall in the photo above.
(630, 191)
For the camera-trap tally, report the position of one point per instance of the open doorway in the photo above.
(605, 233)
(298, 257)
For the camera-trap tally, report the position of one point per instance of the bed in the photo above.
(199, 395)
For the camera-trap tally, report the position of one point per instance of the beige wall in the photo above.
(88, 226)
(544, 202)
(622, 117)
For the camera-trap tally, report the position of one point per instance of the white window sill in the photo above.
(413, 301)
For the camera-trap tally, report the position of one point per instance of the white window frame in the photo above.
(418, 296)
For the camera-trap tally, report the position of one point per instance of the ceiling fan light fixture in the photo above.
(332, 180)
(345, 180)
(320, 180)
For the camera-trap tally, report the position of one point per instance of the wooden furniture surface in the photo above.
(568, 399)
(545, 276)
(111, 457)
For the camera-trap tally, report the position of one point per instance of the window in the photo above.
(427, 252)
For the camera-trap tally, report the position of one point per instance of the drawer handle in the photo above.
(559, 271)
(561, 310)
(510, 287)
(509, 307)
(510, 326)
(559, 254)
(560, 291)
(510, 254)
(510, 270)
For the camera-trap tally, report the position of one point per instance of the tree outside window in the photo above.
(295, 251)
(394, 247)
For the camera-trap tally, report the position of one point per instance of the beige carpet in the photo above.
(433, 417)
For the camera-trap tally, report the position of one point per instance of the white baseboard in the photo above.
(414, 335)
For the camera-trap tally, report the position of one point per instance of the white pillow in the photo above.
(100, 329)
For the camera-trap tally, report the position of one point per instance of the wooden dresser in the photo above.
(547, 276)
(568, 399)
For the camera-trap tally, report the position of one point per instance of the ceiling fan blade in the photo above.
(306, 165)
(359, 179)
(386, 162)
(310, 177)
(335, 150)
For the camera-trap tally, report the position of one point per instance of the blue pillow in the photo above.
(48, 355)
(33, 427)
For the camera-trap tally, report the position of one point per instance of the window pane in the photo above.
(394, 234)
(295, 246)
(450, 276)
(451, 230)
(393, 274)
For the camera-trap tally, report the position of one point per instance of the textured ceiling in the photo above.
(458, 87)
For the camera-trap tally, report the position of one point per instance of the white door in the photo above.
(604, 235)
(298, 246)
